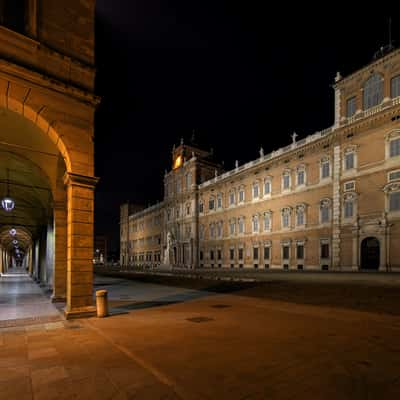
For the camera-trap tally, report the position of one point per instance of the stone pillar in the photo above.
(336, 209)
(60, 253)
(80, 196)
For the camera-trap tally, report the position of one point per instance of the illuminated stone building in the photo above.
(47, 106)
(330, 201)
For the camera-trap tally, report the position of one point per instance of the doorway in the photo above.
(370, 253)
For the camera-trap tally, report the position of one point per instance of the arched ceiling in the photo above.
(31, 170)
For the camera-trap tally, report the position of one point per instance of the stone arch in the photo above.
(65, 116)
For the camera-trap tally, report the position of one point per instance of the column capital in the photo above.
(88, 182)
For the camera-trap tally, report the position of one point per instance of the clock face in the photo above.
(178, 162)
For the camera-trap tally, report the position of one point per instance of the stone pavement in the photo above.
(22, 300)
(206, 346)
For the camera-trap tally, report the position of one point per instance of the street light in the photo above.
(8, 204)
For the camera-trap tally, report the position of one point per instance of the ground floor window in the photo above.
(324, 250)
(285, 252)
(266, 252)
(300, 251)
(255, 253)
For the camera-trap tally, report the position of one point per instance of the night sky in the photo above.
(241, 74)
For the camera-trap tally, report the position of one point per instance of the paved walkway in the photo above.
(22, 299)
(204, 346)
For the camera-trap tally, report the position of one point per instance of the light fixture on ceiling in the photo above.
(13, 232)
(15, 241)
(7, 202)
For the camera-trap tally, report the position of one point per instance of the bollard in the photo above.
(101, 303)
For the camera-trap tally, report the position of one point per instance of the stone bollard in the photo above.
(101, 303)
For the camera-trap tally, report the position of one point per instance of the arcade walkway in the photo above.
(23, 302)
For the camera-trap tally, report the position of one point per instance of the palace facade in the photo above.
(330, 201)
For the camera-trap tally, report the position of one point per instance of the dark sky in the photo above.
(243, 74)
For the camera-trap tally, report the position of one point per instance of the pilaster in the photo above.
(336, 208)
(80, 196)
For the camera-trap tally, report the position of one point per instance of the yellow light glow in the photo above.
(178, 162)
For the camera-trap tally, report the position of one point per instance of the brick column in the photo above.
(80, 206)
(60, 253)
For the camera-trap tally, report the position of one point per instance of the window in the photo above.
(201, 255)
(187, 209)
(395, 147)
(177, 212)
(349, 186)
(325, 205)
(201, 207)
(231, 198)
(267, 187)
(285, 252)
(188, 181)
(256, 191)
(349, 160)
(255, 253)
(267, 252)
(178, 185)
(300, 177)
(325, 168)
(351, 107)
(211, 203)
(241, 225)
(240, 253)
(286, 218)
(219, 229)
(232, 226)
(201, 232)
(241, 195)
(286, 181)
(348, 209)
(219, 200)
(394, 201)
(395, 87)
(12, 14)
(300, 215)
(231, 253)
(219, 254)
(211, 254)
(394, 175)
(212, 230)
(300, 251)
(255, 223)
(267, 221)
(324, 250)
(373, 91)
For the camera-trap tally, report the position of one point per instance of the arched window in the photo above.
(373, 91)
